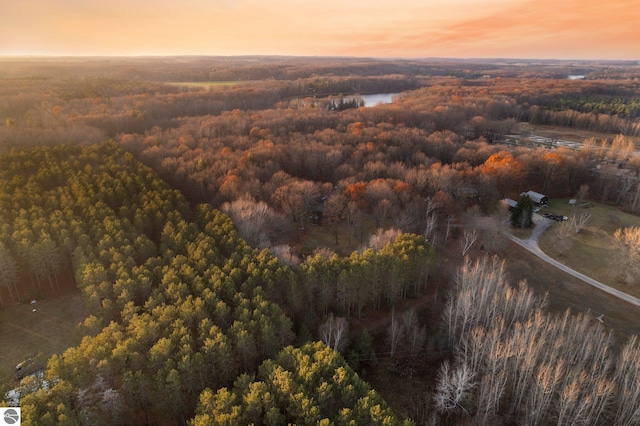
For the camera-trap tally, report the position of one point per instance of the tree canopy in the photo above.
(180, 305)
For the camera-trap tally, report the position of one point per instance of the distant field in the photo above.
(592, 251)
(209, 84)
(569, 134)
(51, 329)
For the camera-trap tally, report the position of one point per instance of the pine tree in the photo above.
(522, 213)
(8, 273)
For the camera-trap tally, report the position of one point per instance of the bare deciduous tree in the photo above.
(414, 333)
(251, 218)
(334, 211)
(395, 333)
(514, 347)
(286, 255)
(627, 377)
(563, 237)
(545, 383)
(297, 199)
(430, 227)
(450, 219)
(490, 390)
(453, 390)
(467, 241)
(627, 242)
(352, 213)
(621, 149)
(432, 206)
(381, 211)
(491, 230)
(482, 294)
(334, 331)
(579, 222)
(633, 201)
(582, 194)
(383, 238)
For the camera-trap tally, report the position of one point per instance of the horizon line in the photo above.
(291, 56)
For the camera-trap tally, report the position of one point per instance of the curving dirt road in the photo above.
(531, 244)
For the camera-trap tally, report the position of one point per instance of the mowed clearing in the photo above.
(50, 329)
(592, 251)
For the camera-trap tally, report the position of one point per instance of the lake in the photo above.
(378, 98)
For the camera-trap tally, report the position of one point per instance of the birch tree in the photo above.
(578, 222)
(333, 332)
(467, 241)
(563, 237)
(627, 242)
(627, 377)
(415, 334)
(430, 226)
(549, 367)
(453, 389)
(395, 332)
(431, 220)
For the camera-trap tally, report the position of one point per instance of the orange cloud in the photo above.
(539, 28)
(404, 28)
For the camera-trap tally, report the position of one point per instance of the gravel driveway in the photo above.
(531, 244)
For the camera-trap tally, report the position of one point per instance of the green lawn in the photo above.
(592, 251)
(51, 329)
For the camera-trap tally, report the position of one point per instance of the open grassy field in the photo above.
(592, 251)
(209, 84)
(568, 134)
(566, 291)
(51, 329)
(349, 239)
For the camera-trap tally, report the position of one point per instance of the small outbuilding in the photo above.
(536, 197)
(469, 193)
(510, 203)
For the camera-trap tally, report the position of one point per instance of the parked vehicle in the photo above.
(556, 217)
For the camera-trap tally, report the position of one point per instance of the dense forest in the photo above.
(179, 303)
(177, 194)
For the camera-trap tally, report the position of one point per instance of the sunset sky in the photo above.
(561, 29)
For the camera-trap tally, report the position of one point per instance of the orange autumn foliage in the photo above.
(500, 163)
(355, 191)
